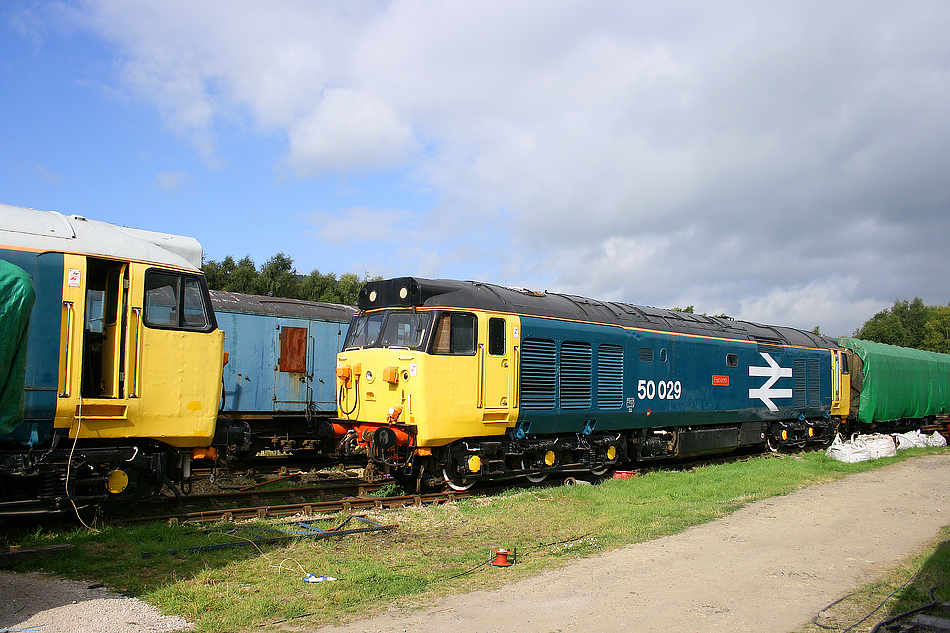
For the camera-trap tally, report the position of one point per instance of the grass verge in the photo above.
(434, 551)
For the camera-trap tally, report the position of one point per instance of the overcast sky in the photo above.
(782, 162)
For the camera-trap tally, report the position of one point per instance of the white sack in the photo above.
(879, 445)
(911, 439)
(936, 439)
(850, 452)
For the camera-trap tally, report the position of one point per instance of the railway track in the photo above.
(322, 492)
(305, 509)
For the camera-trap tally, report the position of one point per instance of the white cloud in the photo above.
(171, 181)
(348, 130)
(753, 156)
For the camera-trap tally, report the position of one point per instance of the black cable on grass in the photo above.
(835, 628)
(465, 573)
(901, 616)
(570, 540)
(482, 564)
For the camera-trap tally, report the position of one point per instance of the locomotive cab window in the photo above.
(454, 334)
(364, 330)
(405, 329)
(176, 301)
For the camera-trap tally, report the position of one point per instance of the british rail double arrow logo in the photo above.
(766, 392)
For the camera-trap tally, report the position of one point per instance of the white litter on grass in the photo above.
(315, 578)
(861, 448)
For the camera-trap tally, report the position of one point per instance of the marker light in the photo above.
(118, 481)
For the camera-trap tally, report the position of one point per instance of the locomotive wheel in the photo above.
(600, 470)
(458, 486)
(771, 443)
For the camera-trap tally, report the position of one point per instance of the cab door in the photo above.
(104, 331)
(175, 358)
(496, 366)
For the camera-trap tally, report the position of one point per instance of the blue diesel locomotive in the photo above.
(456, 381)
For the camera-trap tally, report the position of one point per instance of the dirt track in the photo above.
(768, 567)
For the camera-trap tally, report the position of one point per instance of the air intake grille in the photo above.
(538, 371)
(575, 380)
(800, 379)
(609, 377)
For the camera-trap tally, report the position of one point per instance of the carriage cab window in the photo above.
(454, 334)
(176, 301)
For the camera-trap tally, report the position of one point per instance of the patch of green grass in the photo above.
(906, 587)
(434, 551)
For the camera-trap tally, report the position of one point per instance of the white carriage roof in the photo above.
(54, 232)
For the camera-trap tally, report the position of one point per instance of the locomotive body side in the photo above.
(123, 361)
(634, 379)
(471, 381)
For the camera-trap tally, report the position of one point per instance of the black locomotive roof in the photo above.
(446, 293)
(236, 302)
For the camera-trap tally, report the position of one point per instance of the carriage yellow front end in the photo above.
(128, 371)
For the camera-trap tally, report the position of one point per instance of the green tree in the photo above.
(278, 278)
(902, 324)
(244, 278)
(937, 330)
(349, 286)
(319, 287)
(913, 315)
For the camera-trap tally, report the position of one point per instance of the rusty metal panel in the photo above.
(293, 350)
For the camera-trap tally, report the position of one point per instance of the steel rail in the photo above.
(305, 509)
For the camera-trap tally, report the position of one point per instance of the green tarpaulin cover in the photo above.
(900, 382)
(16, 301)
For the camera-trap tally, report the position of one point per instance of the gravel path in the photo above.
(771, 566)
(43, 604)
(768, 567)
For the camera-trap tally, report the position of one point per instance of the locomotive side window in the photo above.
(646, 354)
(454, 334)
(496, 336)
(732, 360)
(194, 312)
(161, 300)
(175, 301)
